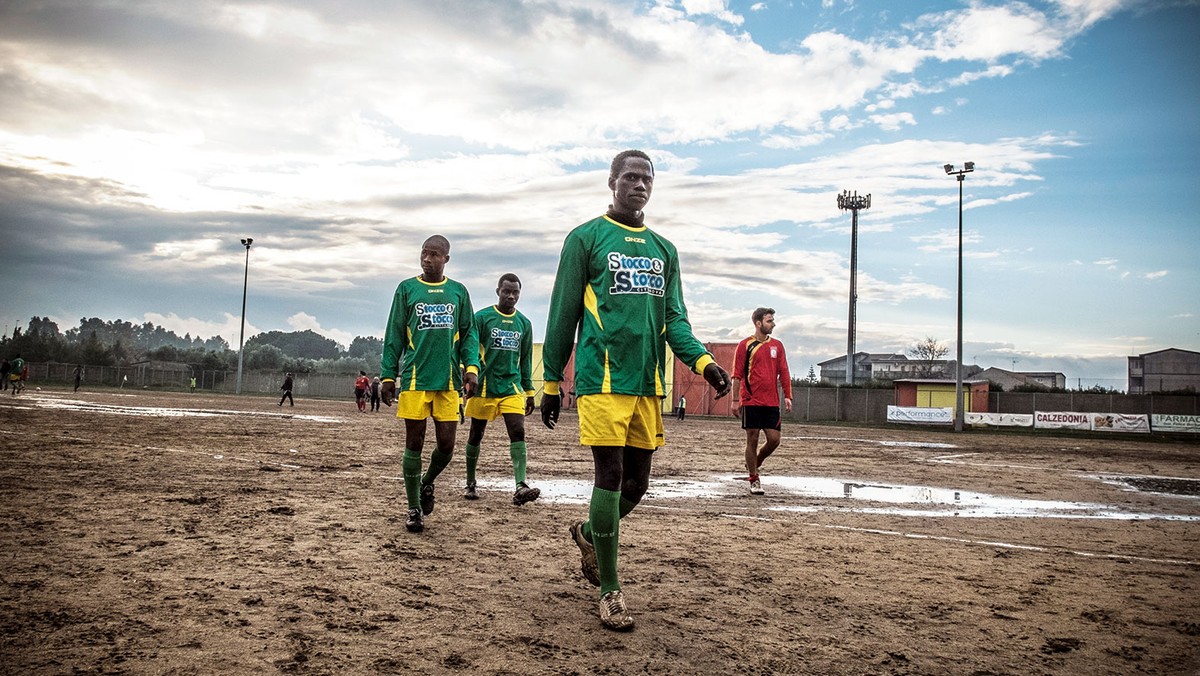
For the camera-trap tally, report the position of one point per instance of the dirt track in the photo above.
(252, 541)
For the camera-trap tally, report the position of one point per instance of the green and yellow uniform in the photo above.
(505, 353)
(620, 286)
(430, 337)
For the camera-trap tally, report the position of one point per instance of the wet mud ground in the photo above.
(189, 534)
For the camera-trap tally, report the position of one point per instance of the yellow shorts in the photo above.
(490, 408)
(420, 404)
(620, 420)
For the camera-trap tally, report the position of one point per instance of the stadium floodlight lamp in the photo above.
(958, 366)
(852, 202)
(246, 242)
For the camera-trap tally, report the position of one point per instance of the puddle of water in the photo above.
(163, 412)
(1159, 485)
(880, 442)
(853, 496)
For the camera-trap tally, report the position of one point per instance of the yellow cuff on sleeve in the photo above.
(388, 380)
(703, 362)
(551, 387)
(473, 369)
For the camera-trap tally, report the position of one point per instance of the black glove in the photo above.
(551, 403)
(718, 379)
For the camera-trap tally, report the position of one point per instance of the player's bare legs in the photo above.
(752, 452)
(769, 446)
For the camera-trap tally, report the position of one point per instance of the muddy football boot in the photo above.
(525, 494)
(415, 523)
(427, 499)
(756, 487)
(587, 554)
(470, 493)
(613, 613)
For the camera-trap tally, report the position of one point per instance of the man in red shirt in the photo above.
(759, 370)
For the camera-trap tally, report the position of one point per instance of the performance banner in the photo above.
(1175, 423)
(998, 419)
(927, 416)
(1120, 422)
(1062, 420)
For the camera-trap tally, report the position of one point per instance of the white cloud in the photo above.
(302, 321)
(1158, 274)
(894, 121)
(229, 327)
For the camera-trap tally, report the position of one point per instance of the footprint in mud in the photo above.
(1061, 645)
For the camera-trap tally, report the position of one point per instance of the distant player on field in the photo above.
(505, 384)
(618, 285)
(760, 368)
(430, 332)
(15, 372)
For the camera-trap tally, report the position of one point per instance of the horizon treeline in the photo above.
(96, 342)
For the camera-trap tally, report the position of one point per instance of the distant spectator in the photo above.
(375, 395)
(287, 391)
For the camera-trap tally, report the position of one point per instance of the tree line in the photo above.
(97, 342)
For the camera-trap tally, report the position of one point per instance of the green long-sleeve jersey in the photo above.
(619, 287)
(505, 353)
(430, 336)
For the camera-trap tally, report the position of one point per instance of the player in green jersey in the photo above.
(430, 332)
(618, 285)
(505, 384)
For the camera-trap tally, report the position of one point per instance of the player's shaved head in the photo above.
(438, 242)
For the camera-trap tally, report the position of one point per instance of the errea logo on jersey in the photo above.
(637, 240)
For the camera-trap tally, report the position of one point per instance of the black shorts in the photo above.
(760, 418)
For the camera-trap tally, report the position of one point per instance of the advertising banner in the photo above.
(1120, 422)
(998, 419)
(1062, 420)
(927, 416)
(1175, 423)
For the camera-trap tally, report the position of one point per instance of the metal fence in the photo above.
(809, 404)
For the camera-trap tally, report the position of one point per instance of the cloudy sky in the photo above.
(141, 140)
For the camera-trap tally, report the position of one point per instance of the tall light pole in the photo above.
(853, 203)
(242, 339)
(968, 167)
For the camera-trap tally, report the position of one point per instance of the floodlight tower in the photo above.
(246, 242)
(968, 167)
(853, 203)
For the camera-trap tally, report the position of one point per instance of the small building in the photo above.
(1169, 370)
(1011, 379)
(939, 393)
(886, 366)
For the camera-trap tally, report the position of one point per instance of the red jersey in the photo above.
(760, 369)
(362, 383)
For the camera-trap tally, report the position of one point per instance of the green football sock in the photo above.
(625, 508)
(411, 467)
(604, 518)
(516, 451)
(437, 462)
(472, 453)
